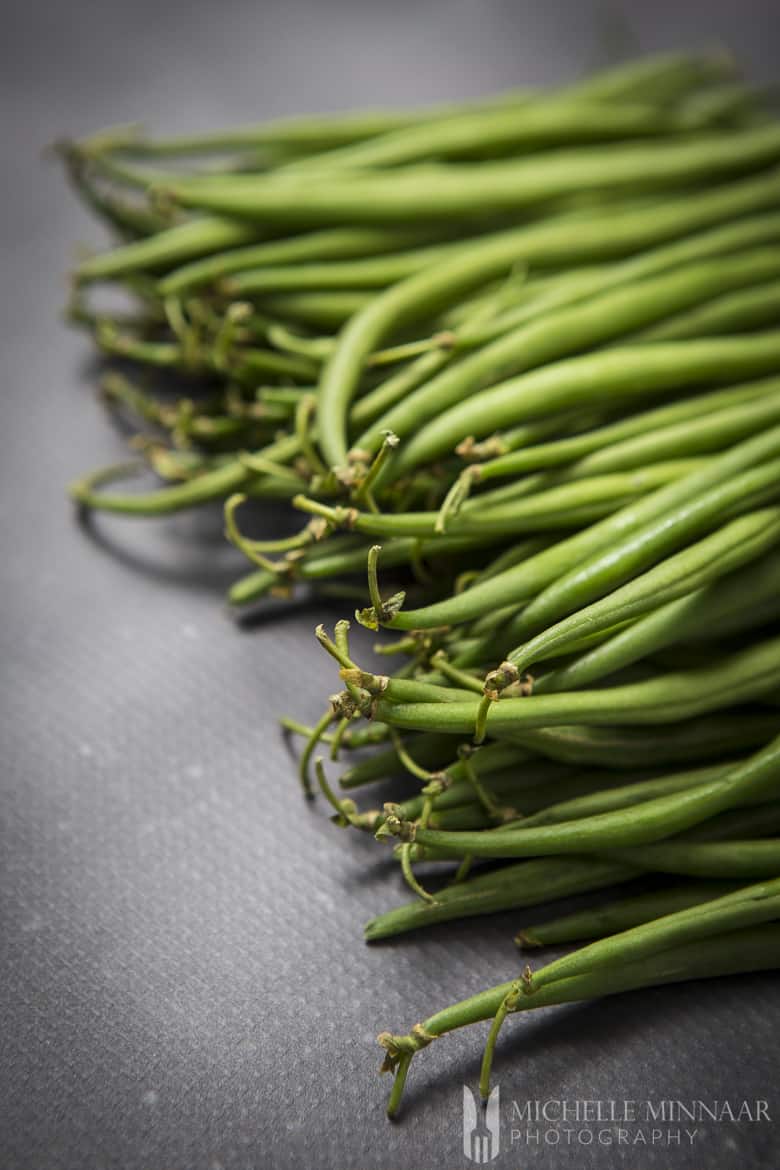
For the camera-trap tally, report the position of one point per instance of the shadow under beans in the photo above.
(189, 551)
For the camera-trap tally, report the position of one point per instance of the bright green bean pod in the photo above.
(751, 949)
(330, 244)
(748, 308)
(661, 523)
(712, 430)
(615, 376)
(368, 272)
(316, 309)
(698, 500)
(626, 796)
(567, 506)
(456, 190)
(494, 132)
(743, 600)
(167, 248)
(638, 425)
(735, 544)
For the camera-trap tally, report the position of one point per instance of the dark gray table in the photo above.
(184, 985)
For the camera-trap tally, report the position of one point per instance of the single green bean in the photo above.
(455, 190)
(669, 698)
(333, 244)
(167, 248)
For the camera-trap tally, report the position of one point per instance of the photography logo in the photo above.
(480, 1128)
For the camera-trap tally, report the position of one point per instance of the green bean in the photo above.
(318, 132)
(625, 747)
(749, 308)
(735, 544)
(248, 365)
(663, 78)
(455, 190)
(429, 751)
(710, 491)
(710, 431)
(504, 792)
(529, 781)
(528, 883)
(728, 859)
(614, 376)
(485, 133)
(750, 949)
(131, 219)
(567, 506)
(333, 244)
(624, 796)
(670, 697)
(747, 906)
(556, 335)
(576, 285)
(229, 476)
(636, 425)
(319, 310)
(743, 600)
(365, 272)
(636, 825)
(621, 915)
(167, 248)
(661, 522)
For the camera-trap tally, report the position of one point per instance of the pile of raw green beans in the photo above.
(519, 359)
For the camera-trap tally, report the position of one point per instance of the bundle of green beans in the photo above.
(520, 359)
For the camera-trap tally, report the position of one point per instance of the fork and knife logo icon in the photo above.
(481, 1129)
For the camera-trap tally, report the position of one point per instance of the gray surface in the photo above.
(183, 980)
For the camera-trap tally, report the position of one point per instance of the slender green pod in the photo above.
(751, 949)
(455, 190)
(603, 317)
(609, 378)
(602, 920)
(627, 827)
(739, 542)
(668, 698)
(330, 244)
(167, 248)
(744, 600)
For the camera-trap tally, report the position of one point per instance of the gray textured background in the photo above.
(184, 985)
